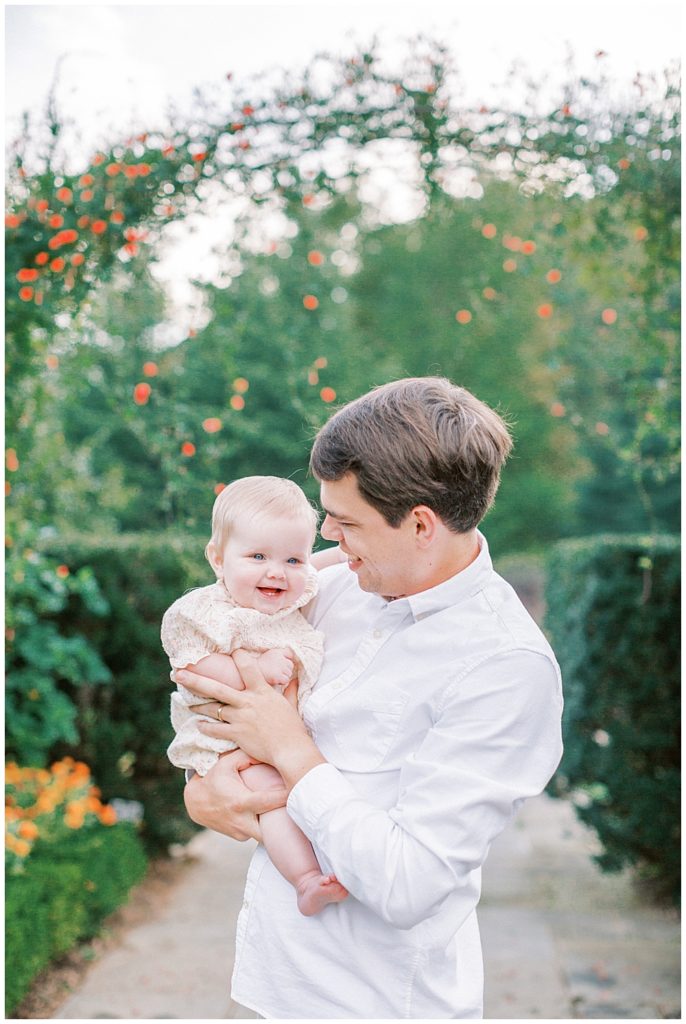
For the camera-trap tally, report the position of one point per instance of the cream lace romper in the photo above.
(208, 621)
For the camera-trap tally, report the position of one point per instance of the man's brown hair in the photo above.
(417, 441)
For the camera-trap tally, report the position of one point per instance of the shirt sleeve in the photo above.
(495, 741)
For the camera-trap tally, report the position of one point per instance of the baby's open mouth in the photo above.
(271, 591)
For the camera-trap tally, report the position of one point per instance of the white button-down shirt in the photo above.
(438, 714)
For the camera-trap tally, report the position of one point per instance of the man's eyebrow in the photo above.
(337, 515)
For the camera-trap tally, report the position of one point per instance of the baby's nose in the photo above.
(276, 571)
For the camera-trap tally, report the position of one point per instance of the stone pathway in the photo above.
(560, 940)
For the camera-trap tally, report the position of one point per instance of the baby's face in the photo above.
(264, 563)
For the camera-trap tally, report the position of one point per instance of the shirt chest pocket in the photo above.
(365, 728)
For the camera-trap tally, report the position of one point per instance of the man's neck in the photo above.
(453, 553)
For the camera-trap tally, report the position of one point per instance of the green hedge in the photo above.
(613, 616)
(124, 727)
(64, 892)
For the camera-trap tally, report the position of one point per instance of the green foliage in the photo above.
(124, 728)
(62, 896)
(613, 616)
(49, 654)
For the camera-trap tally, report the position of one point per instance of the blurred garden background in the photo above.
(365, 217)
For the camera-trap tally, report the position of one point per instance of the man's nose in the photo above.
(330, 529)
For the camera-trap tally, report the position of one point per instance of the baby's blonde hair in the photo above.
(257, 496)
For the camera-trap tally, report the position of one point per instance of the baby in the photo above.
(263, 528)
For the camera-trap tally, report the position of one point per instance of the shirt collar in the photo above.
(454, 590)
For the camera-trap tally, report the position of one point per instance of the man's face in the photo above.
(381, 556)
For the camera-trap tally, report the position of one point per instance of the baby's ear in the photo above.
(214, 558)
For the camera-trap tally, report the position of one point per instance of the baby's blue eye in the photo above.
(294, 561)
(258, 557)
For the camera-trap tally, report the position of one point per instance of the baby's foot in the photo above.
(315, 891)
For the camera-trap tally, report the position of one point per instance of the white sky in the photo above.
(123, 63)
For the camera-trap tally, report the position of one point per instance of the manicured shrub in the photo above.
(68, 864)
(613, 618)
(124, 727)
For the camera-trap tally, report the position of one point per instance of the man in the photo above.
(436, 714)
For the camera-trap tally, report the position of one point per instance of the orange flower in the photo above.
(57, 265)
(99, 158)
(11, 460)
(212, 425)
(241, 385)
(188, 449)
(327, 395)
(62, 571)
(248, 110)
(489, 293)
(310, 302)
(27, 274)
(98, 227)
(489, 231)
(52, 362)
(312, 377)
(640, 234)
(69, 236)
(509, 266)
(608, 316)
(237, 402)
(150, 369)
(602, 429)
(553, 276)
(117, 217)
(144, 169)
(12, 221)
(218, 488)
(308, 199)
(557, 409)
(463, 316)
(83, 221)
(141, 393)
(199, 156)
(624, 164)
(26, 293)
(85, 180)
(87, 195)
(315, 258)
(56, 220)
(28, 830)
(320, 363)
(545, 311)
(528, 248)
(64, 195)
(112, 170)
(77, 259)
(42, 205)
(108, 816)
(130, 170)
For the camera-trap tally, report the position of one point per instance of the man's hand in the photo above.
(221, 800)
(257, 719)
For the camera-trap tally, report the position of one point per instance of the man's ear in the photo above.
(214, 558)
(425, 524)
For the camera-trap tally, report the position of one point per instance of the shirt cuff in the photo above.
(321, 790)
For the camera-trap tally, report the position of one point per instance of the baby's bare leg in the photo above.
(290, 850)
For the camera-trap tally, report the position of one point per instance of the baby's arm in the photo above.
(277, 667)
(330, 556)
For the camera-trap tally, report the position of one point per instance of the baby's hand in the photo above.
(278, 666)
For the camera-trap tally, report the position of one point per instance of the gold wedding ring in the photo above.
(220, 708)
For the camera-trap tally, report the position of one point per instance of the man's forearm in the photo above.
(295, 759)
